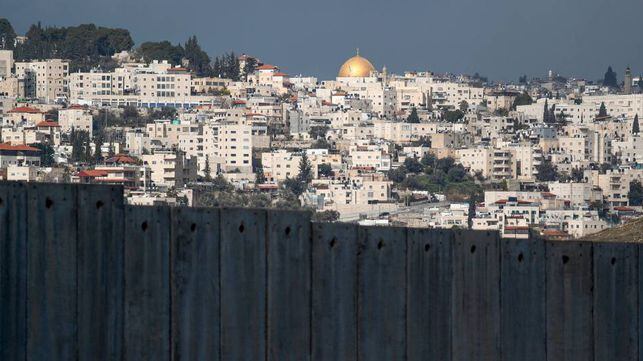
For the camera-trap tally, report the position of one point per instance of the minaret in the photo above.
(627, 81)
(384, 77)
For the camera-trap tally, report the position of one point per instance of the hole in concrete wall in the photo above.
(144, 226)
(473, 249)
(48, 202)
(613, 260)
(241, 228)
(520, 257)
(380, 244)
(565, 259)
(1, 202)
(193, 227)
(288, 231)
(99, 204)
(427, 247)
(332, 243)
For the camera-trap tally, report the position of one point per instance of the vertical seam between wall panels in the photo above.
(220, 241)
(546, 292)
(171, 213)
(591, 258)
(309, 225)
(26, 245)
(266, 230)
(406, 293)
(499, 250)
(360, 231)
(76, 202)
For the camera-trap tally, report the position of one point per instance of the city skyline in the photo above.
(499, 41)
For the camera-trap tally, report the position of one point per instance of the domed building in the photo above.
(356, 67)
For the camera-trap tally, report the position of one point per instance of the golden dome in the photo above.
(356, 67)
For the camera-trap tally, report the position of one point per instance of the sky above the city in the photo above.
(500, 39)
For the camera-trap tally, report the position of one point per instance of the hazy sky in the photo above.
(501, 39)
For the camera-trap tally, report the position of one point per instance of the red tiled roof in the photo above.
(48, 123)
(120, 158)
(18, 147)
(92, 173)
(25, 110)
(623, 209)
(267, 67)
(280, 74)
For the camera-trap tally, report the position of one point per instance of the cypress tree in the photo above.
(602, 112)
(635, 125)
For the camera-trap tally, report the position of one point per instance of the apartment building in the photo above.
(45, 80)
(279, 165)
(76, 118)
(369, 157)
(228, 147)
(6, 63)
(19, 154)
(170, 169)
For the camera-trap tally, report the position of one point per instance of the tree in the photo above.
(463, 106)
(250, 66)
(98, 143)
(325, 170)
(227, 66)
(635, 125)
(7, 34)
(163, 113)
(547, 172)
(161, 50)
(220, 184)
(546, 112)
(456, 174)
(444, 164)
(81, 150)
(522, 99)
(428, 160)
(635, 196)
(522, 79)
(295, 186)
(288, 200)
(326, 216)
(602, 111)
(397, 175)
(413, 116)
(260, 177)
(305, 170)
(412, 165)
(610, 78)
(199, 61)
(46, 154)
(206, 170)
(453, 116)
(85, 45)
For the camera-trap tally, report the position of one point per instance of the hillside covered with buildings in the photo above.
(555, 155)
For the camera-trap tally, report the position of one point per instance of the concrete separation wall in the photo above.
(85, 277)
